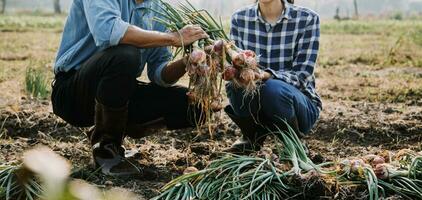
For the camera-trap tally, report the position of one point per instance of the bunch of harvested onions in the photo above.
(211, 59)
(204, 69)
(244, 71)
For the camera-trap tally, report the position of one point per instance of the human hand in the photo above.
(188, 35)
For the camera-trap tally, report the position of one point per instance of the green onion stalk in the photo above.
(18, 183)
(405, 187)
(372, 183)
(356, 171)
(258, 176)
(407, 183)
(175, 18)
(183, 191)
(415, 169)
(233, 177)
(294, 151)
(291, 173)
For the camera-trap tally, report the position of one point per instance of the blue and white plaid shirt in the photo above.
(287, 49)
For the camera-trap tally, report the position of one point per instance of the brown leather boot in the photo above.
(107, 138)
(253, 136)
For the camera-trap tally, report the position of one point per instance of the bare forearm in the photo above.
(147, 39)
(174, 71)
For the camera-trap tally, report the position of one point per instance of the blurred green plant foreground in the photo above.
(45, 175)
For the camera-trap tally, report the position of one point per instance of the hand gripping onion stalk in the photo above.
(206, 58)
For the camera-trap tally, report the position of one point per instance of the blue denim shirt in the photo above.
(94, 25)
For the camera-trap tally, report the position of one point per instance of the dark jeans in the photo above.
(110, 77)
(276, 100)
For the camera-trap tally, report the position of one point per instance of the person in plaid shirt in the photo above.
(286, 39)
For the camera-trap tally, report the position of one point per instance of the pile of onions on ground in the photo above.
(385, 165)
(270, 172)
(287, 172)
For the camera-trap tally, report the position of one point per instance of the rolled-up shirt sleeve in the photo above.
(104, 22)
(157, 61)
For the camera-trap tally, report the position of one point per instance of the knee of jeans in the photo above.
(230, 88)
(276, 90)
(277, 100)
(128, 59)
(239, 103)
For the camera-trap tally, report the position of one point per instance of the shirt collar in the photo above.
(285, 15)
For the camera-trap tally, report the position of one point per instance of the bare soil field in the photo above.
(370, 80)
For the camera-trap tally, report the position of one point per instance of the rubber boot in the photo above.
(107, 138)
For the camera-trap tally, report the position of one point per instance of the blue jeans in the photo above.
(275, 100)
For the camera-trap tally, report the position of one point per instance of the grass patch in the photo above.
(370, 27)
(30, 22)
(391, 95)
(36, 83)
(416, 36)
(409, 95)
(381, 43)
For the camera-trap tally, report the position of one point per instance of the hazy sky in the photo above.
(326, 8)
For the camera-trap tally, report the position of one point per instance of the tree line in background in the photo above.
(56, 4)
(356, 12)
(3, 6)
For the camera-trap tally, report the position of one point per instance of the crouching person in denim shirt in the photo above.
(106, 45)
(286, 39)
